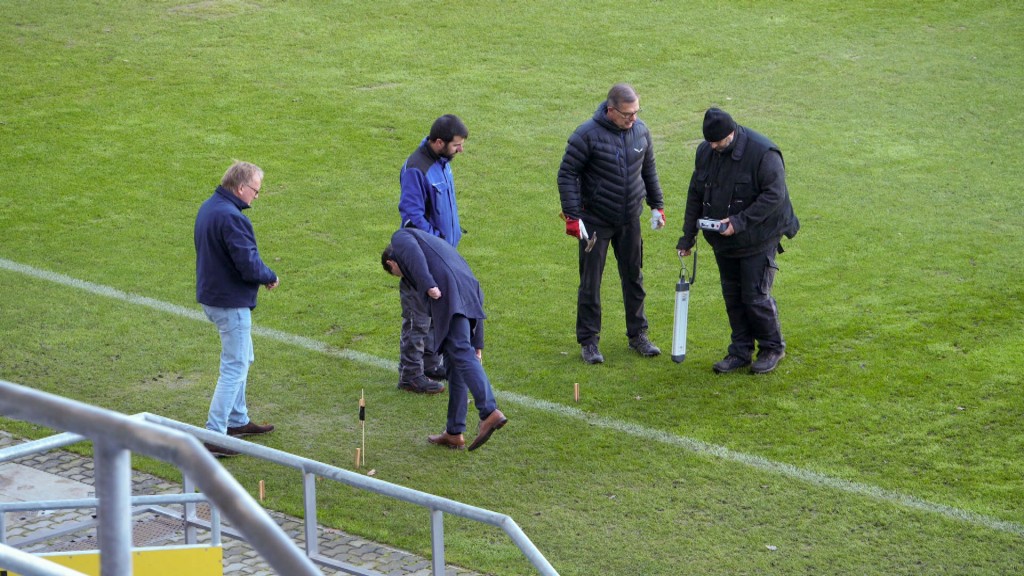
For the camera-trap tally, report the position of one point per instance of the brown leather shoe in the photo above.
(249, 429)
(453, 441)
(220, 451)
(488, 425)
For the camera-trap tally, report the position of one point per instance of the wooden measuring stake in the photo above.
(576, 391)
(261, 490)
(362, 424)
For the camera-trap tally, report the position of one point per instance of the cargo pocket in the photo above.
(768, 277)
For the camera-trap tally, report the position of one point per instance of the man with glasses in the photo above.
(229, 273)
(427, 202)
(606, 175)
(739, 182)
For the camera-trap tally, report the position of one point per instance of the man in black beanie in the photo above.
(739, 181)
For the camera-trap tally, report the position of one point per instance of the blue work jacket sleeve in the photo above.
(412, 204)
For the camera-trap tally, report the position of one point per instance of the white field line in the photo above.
(637, 431)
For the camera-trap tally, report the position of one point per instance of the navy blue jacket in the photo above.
(229, 271)
(427, 261)
(607, 173)
(427, 201)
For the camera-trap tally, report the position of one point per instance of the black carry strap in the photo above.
(682, 267)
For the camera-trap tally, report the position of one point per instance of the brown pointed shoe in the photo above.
(220, 451)
(494, 421)
(251, 428)
(453, 441)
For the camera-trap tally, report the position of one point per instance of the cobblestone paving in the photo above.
(156, 530)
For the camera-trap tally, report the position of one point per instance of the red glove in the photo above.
(572, 227)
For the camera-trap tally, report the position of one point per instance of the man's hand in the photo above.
(576, 229)
(274, 284)
(434, 293)
(683, 252)
(728, 230)
(657, 218)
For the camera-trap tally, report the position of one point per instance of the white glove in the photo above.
(657, 219)
(583, 232)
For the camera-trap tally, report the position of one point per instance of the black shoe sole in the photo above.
(419, 390)
(721, 371)
(448, 446)
(241, 434)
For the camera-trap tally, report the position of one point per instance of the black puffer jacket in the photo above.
(607, 173)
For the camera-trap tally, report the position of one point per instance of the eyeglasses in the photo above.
(628, 114)
(251, 188)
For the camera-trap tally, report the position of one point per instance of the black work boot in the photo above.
(591, 355)
(767, 360)
(730, 363)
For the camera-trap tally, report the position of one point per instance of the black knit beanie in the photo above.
(717, 124)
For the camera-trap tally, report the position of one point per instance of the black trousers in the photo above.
(627, 245)
(753, 315)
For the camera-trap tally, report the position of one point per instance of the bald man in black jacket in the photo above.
(436, 271)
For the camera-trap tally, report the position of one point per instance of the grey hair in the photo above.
(621, 93)
(240, 173)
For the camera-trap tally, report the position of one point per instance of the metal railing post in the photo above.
(309, 506)
(191, 535)
(114, 490)
(437, 541)
(214, 526)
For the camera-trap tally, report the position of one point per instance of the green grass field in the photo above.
(889, 441)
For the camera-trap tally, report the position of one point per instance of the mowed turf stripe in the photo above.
(635, 430)
(195, 314)
(760, 463)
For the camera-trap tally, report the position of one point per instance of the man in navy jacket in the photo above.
(433, 268)
(229, 273)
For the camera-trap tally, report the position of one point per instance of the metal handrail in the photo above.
(114, 437)
(311, 469)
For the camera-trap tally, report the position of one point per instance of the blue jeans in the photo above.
(465, 376)
(227, 408)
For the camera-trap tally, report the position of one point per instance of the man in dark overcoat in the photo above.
(433, 268)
